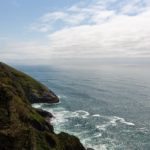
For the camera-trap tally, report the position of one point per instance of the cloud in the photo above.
(123, 36)
(17, 51)
(134, 7)
(50, 21)
(97, 29)
(86, 13)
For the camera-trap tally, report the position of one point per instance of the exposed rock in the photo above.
(44, 113)
(21, 126)
(89, 149)
(28, 87)
(47, 115)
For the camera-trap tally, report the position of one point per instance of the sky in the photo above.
(73, 31)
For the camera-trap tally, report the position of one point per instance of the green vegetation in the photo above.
(21, 126)
(26, 86)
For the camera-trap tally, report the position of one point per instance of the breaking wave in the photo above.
(94, 130)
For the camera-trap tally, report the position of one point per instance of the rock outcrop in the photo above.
(23, 127)
(34, 91)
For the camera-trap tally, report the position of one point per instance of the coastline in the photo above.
(17, 92)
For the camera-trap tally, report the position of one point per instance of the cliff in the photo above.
(23, 127)
(34, 91)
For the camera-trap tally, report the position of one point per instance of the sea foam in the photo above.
(81, 123)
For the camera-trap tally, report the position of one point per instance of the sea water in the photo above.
(107, 107)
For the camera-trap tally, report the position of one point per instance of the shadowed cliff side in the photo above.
(23, 127)
(34, 91)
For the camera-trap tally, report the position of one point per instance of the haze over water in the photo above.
(107, 107)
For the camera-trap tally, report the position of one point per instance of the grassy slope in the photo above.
(21, 127)
(33, 90)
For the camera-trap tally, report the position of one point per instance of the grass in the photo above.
(21, 127)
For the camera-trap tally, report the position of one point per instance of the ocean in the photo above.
(107, 107)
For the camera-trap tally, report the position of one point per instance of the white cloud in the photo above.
(84, 13)
(123, 36)
(25, 51)
(100, 29)
(50, 21)
(51, 17)
(133, 7)
(102, 16)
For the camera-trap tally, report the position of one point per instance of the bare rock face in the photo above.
(46, 97)
(44, 113)
(89, 149)
(23, 127)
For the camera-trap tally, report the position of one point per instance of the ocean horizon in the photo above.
(107, 106)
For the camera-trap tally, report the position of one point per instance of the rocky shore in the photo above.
(23, 127)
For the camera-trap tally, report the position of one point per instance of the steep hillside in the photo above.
(34, 91)
(23, 127)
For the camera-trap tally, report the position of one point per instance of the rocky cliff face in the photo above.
(34, 91)
(23, 127)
